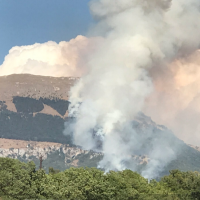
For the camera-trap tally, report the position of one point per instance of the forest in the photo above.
(20, 180)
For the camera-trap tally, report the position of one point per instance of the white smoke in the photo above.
(139, 37)
(145, 62)
(50, 58)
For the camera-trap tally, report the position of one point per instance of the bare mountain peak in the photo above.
(27, 85)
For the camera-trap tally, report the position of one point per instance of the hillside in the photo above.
(33, 109)
(54, 155)
(26, 85)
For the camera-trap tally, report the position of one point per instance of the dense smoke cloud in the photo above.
(50, 58)
(141, 39)
(145, 59)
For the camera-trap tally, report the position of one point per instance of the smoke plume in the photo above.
(144, 43)
(50, 58)
(143, 57)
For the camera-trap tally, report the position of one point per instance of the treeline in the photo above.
(21, 181)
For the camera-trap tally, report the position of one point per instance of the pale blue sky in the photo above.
(25, 22)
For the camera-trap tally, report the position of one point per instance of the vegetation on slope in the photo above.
(60, 105)
(23, 125)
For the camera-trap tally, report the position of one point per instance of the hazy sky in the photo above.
(26, 22)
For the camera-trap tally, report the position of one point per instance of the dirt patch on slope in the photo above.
(21, 144)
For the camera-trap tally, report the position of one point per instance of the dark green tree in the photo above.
(15, 179)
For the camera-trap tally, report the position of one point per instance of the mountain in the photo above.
(26, 85)
(169, 150)
(33, 110)
(34, 107)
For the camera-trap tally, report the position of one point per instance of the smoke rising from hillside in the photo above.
(141, 39)
(148, 61)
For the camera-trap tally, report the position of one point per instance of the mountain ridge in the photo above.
(39, 116)
(27, 85)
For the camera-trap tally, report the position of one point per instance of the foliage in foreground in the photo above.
(21, 181)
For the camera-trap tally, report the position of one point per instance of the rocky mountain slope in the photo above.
(34, 109)
(54, 155)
